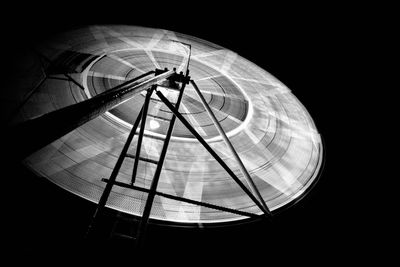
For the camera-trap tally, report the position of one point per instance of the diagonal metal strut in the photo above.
(243, 169)
(211, 151)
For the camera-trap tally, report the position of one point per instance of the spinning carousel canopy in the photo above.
(271, 131)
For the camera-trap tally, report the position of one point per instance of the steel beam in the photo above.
(243, 169)
(33, 134)
(187, 200)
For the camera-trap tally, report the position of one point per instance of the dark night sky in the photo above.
(303, 48)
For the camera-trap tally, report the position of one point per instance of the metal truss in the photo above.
(253, 193)
(78, 114)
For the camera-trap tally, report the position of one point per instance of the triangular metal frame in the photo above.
(253, 193)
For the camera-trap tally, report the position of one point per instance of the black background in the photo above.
(311, 49)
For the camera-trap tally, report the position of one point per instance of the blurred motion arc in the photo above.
(171, 127)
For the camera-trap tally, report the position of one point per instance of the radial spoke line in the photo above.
(153, 59)
(106, 76)
(222, 94)
(74, 81)
(193, 120)
(122, 37)
(127, 63)
(64, 73)
(217, 52)
(217, 110)
(211, 151)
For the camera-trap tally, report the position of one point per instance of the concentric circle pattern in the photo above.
(270, 129)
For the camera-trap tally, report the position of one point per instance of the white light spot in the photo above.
(154, 124)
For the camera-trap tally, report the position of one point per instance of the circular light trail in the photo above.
(270, 129)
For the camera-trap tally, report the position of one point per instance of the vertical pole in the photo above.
(113, 176)
(140, 137)
(243, 169)
(150, 198)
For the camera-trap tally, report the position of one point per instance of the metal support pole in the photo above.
(114, 174)
(140, 137)
(210, 150)
(150, 198)
(51, 126)
(243, 169)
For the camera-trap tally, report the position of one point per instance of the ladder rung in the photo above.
(158, 100)
(173, 89)
(154, 137)
(158, 117)
(143, 159)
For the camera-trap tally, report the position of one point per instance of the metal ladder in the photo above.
(136, 233)
(253, 192)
